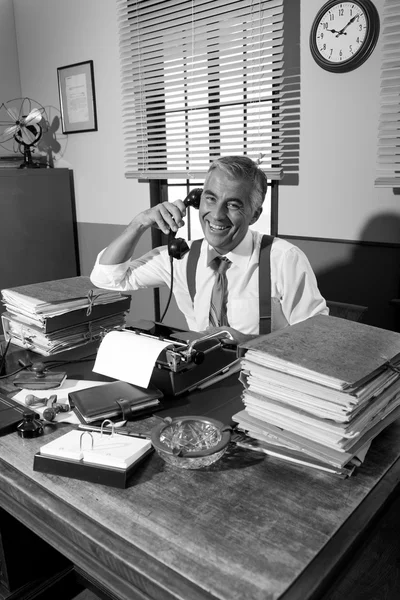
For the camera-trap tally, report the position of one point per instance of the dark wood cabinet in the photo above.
(37, 226)
(30, 569)
(38, 240)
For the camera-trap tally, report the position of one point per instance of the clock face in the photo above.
(344, 34)
(341, 32)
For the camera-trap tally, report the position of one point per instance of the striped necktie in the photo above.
(219, 295)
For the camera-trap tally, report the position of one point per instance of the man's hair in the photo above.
(242, 167)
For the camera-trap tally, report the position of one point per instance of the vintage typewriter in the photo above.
(191, 360)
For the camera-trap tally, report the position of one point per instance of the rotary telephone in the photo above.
(177, 247)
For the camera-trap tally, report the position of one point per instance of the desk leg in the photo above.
(30, 568)
(90, 584)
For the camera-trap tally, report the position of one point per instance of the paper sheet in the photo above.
(128, 356)
(69, 385)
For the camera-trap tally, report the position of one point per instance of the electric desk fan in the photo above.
(22, 121)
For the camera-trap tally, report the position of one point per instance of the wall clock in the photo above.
(344, 34)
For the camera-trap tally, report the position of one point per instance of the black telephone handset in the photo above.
(177, 247)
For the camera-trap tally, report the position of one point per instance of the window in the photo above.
(192, 229)
(201, 79)
(389, 124)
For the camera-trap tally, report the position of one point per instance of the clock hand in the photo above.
(341, 32)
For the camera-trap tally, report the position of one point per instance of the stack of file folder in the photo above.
(59, 315)
(320, 391)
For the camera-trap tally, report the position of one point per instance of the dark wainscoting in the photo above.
(364, 273)
(93, 237)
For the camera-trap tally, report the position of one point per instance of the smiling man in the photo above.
(234, 191)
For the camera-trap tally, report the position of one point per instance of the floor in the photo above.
(86, 595)
(373, 573)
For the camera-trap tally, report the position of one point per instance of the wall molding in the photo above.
(340, 241)
(360, 272)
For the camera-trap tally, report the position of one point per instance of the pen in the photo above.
(143, 436)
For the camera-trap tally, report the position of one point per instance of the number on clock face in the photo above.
(341, 32)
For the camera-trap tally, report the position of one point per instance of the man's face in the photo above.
(225, 210)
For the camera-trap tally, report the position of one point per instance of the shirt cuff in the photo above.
(109, 274)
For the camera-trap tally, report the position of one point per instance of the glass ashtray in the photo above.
(190, 442)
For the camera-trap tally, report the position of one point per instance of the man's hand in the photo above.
(166, 216)
(237, 337)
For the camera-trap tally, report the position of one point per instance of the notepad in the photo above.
(117, 451)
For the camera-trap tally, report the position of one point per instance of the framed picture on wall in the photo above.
(77, 97)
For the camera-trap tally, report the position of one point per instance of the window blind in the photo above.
(200, 79)
(388, 174)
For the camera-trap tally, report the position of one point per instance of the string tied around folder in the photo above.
(393, 367)
(91, 297)
(88, 335)
(91, 301)
(26, 340)
(103, 332)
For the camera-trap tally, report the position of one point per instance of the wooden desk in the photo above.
(248, 527)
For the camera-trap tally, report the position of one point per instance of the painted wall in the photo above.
(335, 197)
(10, 85)
(55, 33)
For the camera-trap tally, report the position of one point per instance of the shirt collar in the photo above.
(239, 256)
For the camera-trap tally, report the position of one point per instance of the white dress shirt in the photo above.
(294, 291)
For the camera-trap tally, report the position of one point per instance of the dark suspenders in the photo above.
(191, 267)
(264, 278)
(264, 283)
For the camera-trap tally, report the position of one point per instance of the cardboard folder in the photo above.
(77, 317)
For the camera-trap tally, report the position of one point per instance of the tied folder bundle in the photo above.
(318, 392)
(58, 315)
